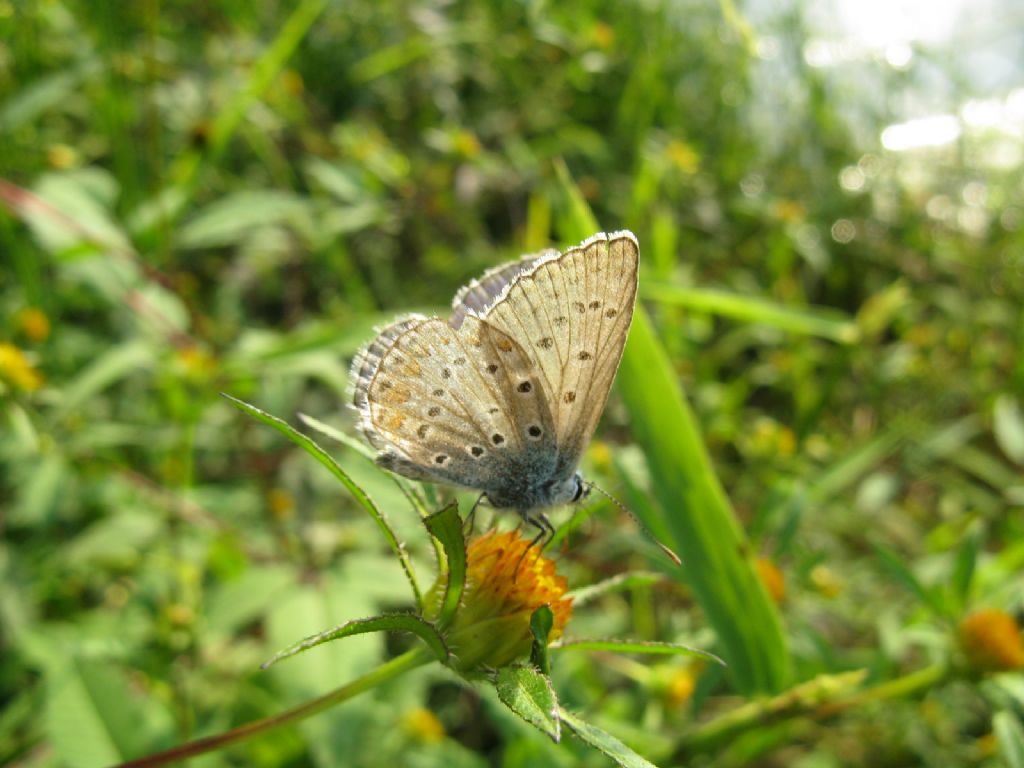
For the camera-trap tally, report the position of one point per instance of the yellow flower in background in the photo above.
(683, 157)
(281, 504)
(601, 455)
(16, 370)
(34, 323)
(681, 686)
(423, 725)
(195, 364)
(602, 34)
(991, 641)
(507, 579)
(62, 156)
(466, 144)
(789, 211)
(826, 581)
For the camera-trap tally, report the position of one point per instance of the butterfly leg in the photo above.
(545, 532)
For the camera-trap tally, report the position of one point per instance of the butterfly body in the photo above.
(505, 395)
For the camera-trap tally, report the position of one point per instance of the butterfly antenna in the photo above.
(643, 528)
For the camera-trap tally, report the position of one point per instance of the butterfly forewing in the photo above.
(451, 404)
(572, 313)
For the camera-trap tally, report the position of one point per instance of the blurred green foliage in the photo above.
(229, 196)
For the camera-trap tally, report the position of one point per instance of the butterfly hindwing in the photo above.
(480, 293)
(462, 406)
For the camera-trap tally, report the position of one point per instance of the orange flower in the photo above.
(991, 640)
(34, 324)
(772, 578)
(506, 581)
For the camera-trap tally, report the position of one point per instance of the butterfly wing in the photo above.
(572, 312)
(461, 406)
(480, 293)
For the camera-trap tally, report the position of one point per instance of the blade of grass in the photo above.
(185, 172)
(694, 508)
(692, 504)
(636, 646)
(823, 322)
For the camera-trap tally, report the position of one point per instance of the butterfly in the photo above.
(504, 396)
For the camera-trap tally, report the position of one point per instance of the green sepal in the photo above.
(446, 527)
(541, 622)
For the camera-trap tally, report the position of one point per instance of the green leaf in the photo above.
(94, 717)
(692, 504)
(261, 76)
(117, 541)
(580, 222)
(963, 568)
(49, 91)
(1005, 691)
(898, 568)
(115, 364)
(308, 608)
(541, 622)
(322, 456)
(340, 180)
(819, 321)
(69, 213)
(392, 622)
(603, 742)
(528, 693)
(232, 219)
(40, 493)
(1010, 738)
(446, 527)
(1008, 426)
(236, 602)
(636, 646)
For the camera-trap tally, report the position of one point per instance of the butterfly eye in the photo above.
(581, 489)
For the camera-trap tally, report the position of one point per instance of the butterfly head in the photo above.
(568, 491)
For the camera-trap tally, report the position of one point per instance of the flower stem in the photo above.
(404, 663)
(820, 698)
